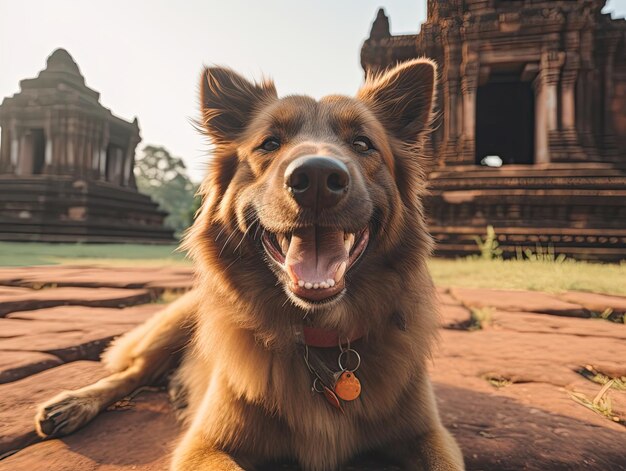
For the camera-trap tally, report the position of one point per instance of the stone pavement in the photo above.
(520, 376)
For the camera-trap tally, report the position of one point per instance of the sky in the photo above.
(145, 56)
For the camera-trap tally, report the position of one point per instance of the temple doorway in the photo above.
(505, 122)
(32, 152)
(39, 150)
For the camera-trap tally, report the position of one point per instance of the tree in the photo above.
(164, 178)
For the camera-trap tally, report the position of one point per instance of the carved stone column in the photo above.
(25, 159)
(469, 84)
(132, 182)
(9, 146)
(81, 145)
(5, 146)
(70, 162)
(128, 161)
(610, 149)
(49, 151)
(59, 144)
(15, 146)
(569, 134)
(129, 167)
(569, 146)
(92, 145)
(568, 108)
(547, 136)
(96, 150)
(451, 102)
(85, 147)
(542, 153)
(452, 125)
(586, 91)
(104, 144)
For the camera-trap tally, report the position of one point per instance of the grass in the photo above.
(27, 254)
(601, 404)
(169, 296)
(497, 381)
(548, 276)
(609, 315)
(593, 375)
(480, 318)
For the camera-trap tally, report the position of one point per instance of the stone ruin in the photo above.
(66, 165)
(531, 134)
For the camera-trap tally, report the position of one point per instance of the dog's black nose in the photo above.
(317, 182)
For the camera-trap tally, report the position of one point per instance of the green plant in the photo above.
(609, 315)
(540, 254)
(601, 404)
(169, 296)
(480, 317)
(497, 381)
(489, 246)
(593, 375)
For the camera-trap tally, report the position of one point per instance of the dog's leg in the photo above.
(195, 453)
(434, 451)
(223, 422)
(70, 410)
(139, 357)
(431, 447)
(203, 459)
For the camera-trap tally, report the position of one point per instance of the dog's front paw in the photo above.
(64, 414)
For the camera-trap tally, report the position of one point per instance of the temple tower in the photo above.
(66, 165)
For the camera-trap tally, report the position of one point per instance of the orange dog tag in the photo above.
(348, 386)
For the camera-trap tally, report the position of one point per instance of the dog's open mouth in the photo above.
(316, 259)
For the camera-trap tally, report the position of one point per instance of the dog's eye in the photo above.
(362, 144)
(270, 144)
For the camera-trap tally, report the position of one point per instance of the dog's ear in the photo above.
(403, 98)
(228, 101)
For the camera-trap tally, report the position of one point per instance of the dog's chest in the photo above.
(267, 405)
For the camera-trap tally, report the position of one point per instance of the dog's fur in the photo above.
(245, 383)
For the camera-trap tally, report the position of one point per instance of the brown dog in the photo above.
(309, 330)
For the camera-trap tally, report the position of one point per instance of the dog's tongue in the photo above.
(315, 254)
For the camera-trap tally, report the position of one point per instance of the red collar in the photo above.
(324, 338)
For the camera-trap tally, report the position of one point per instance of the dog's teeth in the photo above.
(340, 272)
(329, 283)
(348, 242)
(284, 243)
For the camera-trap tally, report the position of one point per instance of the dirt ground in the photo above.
(524, 380)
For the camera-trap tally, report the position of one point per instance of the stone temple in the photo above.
(531, 134)
(66, 165)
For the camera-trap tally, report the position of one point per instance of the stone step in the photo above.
(47, 337)
(102, 297)
(155, 278)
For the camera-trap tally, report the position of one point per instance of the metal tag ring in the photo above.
(346, 351)
(317, 382)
